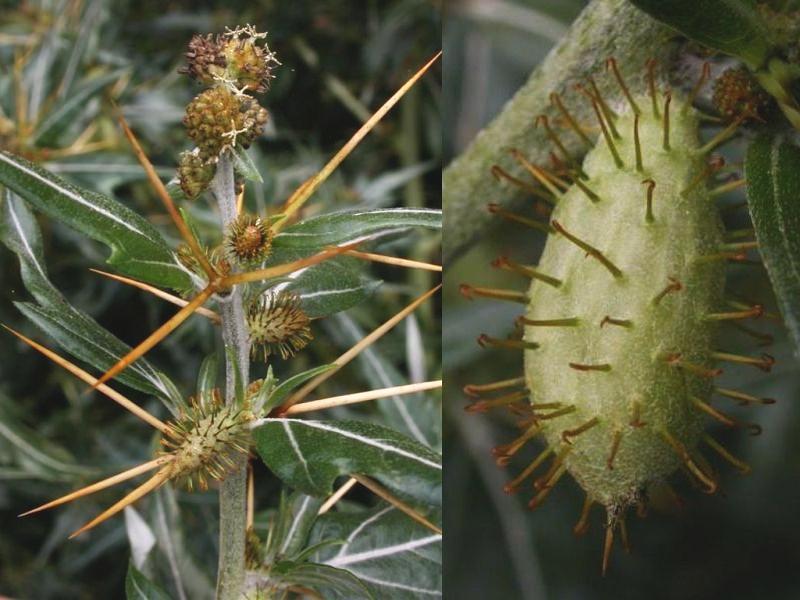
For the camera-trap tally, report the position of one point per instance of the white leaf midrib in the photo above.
(72, 195)
(367, 555)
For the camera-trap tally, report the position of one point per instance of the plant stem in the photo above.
(233, 491)
(605, 28)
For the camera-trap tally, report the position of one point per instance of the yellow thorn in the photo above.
(365, 342)
(158, 335)
(337, 495)
(166, 199)
(210, 314)
(101, 485)
(88, 378)
(240, 202)
(383, 493)
(391, 260)
(363, 396)
(285, 268)
(307, 188)
(148, 486)
(251, 495)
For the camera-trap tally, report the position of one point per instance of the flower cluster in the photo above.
(738, 95)
(218, 119)
(234, 57)
(233, 65)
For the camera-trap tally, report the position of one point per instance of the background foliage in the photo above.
(62, 62)
(740, 543)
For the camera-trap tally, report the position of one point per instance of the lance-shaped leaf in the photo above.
(394, 556)
(244, 165)
(296, 514)
(348, 226)
(329, 582)
(772, 170)
(137, 249)
(72, 329)
(735, 27)
(310, 455)
(331, 287)
(339, 284)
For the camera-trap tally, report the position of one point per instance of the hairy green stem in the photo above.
(606, 28)
(232, 494)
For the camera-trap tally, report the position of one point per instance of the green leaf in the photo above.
(282, 391)
(54, 124)
(72, 329)
(331, 583)
(138, 250)
(82, 337)
(394, 556)
(139, 587)
(342, 227)
(260, 399)
(296, 514)
(20, 233)
(735, 27)
(331, 287)
(772, 171)
(338, 284)
(310, 455)
(244, 165)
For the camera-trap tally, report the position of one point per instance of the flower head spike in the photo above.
(204, 58)
(248, 63)
(216, 115)
(204, 441)
(737, 94)
(278, 324)
(195, 173)
(248, 239)
(235, 58)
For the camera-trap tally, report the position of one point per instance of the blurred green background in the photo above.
(741, 543)
(341, 60)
